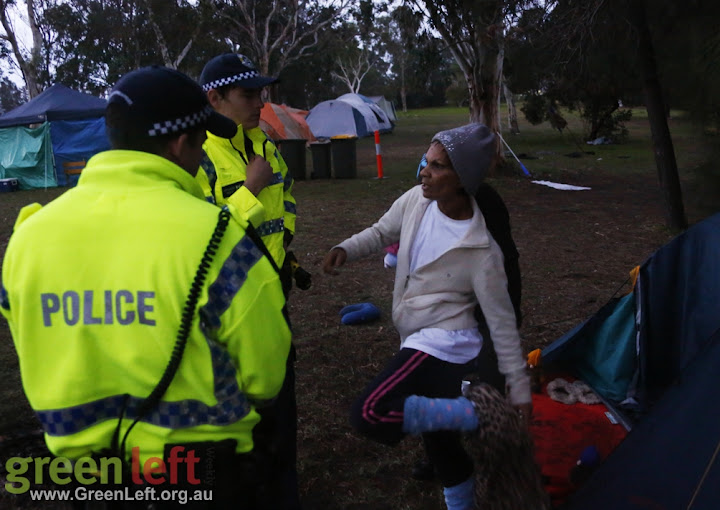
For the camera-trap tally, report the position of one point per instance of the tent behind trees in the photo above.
(653, 356)
(282, 122)
(58, 126)
(387, 106)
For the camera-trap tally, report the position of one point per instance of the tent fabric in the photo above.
(351, 116)
(300, 117)
(337, 118)
(375, 117)
(672, 455)
(57, 102)
(76, 140)
(27, 156)
(672, 331)
(386, 106)
(601, 351)
(281, 122)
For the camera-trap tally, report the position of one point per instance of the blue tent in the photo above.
(55, 103)
(338, 118)
(348, 115)
(68, 126)
(654, 356)
(363, 102)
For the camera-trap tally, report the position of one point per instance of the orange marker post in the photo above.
(378, 155)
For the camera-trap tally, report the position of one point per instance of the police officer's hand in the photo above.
(334, 258)
(258, 174)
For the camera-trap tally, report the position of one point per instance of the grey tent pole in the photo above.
(525, 170)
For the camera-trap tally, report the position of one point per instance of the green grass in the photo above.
(544, 152)
(415, 129)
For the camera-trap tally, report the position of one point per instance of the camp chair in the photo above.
(73, 167)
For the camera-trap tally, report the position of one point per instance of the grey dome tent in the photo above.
(337, 118)
(387, 106)
(364, 103)
(58, 126)
(348, 115)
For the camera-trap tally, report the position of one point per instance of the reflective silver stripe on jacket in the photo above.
(271, 227)
(277, 178)
(209, 168)
(232, 406)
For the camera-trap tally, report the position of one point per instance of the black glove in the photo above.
(303, 279)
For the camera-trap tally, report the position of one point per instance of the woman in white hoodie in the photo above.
(447, 264)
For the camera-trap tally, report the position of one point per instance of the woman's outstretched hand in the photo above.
(334, 258)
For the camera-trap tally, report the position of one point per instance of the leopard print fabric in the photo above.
(506, 474)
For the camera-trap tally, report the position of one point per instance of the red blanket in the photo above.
(561, 432)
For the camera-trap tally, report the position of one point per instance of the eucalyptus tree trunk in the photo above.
(36, 52)
(491, 79)
(512, 110)
(403, 90)
(474, 35)
(662, 141)
(28, 66)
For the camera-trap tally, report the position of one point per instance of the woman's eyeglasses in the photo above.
(423, 164)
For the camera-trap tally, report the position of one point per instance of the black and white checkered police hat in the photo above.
(164, 101)
(232, 68)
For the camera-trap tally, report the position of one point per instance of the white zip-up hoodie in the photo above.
(443, 293)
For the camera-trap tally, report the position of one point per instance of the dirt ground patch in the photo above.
(576, 251)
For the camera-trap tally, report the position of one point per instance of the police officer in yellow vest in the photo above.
(95, 337)
(248, 172)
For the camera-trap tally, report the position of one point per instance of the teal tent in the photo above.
(58, 126)
(27, 156)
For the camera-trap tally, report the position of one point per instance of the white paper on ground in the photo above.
(557, 185)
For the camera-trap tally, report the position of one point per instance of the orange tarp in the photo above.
(282, 122)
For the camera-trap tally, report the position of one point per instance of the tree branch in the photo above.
(183, 53)
(353, 73)
(26, 67)
(158, 35)
(296, 32)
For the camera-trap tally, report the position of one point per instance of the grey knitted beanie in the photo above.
(471, 149)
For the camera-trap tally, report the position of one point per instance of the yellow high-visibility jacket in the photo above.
(93, 287)
(222, 175)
